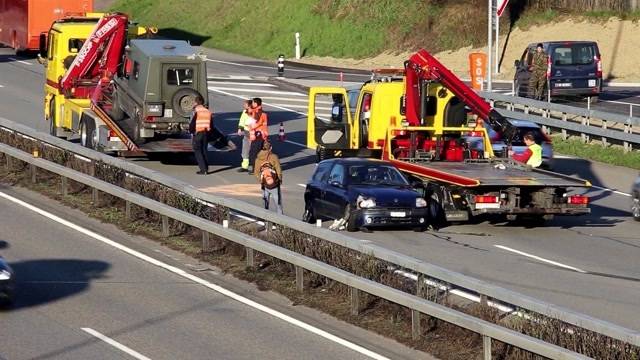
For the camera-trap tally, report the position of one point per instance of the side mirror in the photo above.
(42, 45)
(516, 63)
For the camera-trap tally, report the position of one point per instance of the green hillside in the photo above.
(338, 28)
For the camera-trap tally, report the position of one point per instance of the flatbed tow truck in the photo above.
(417, 118)
(85, 56)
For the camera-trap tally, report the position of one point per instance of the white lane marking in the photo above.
(296, 106)
(116, 344)
(286, 68)
(611, 190)
(564, 157)
(620, 102)
(1, 86)
(303, 185)
(261, 91)
(306, 100)
(20, 61)
(241, 299)
(295, 143)
(241, 83)
(535, 257)
(230, 77)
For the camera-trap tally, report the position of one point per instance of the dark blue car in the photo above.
(365, 193)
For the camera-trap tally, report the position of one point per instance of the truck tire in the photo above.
(52, 118)
(351, 224)
(116, 112)
(183, 101)
(309, 215)
(87, 132)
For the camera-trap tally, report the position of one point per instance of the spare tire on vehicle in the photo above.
(183, 101)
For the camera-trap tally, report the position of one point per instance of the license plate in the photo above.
(592, 83)
(563, 85)
(398, 214)
(488, 206)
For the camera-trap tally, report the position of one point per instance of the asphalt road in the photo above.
(588, 264)
(76, 295)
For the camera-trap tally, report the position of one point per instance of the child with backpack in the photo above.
(269, 174)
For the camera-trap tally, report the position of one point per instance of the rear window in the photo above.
(180, 76)
(573, 54)
(518, 139)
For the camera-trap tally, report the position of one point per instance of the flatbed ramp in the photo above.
(503, 173)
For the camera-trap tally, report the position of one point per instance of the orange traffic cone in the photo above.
(281, 134)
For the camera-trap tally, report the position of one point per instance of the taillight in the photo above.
(487, 199)
(598, 66)
(578, 200)
(150, 119)
(399, 132)
(112, 133)
(548, 67)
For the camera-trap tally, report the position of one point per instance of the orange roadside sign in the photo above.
(478, 69)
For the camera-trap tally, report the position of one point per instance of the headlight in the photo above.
(5, 275)
(154, 109)
(364, 203)
(420, 202)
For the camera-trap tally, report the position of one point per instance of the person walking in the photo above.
(201, 123)
(532, 156)
(244, 126)
(258, 132)
(538, 70)
(269, 176)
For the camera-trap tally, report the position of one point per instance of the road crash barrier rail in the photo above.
(357, 284)
(609, 128)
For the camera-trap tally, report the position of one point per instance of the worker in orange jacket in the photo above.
(258, 132)
(200, 125)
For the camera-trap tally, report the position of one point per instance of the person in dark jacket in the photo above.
(200, 125)
(256, 146)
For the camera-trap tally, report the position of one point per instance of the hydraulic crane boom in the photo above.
(422, 67)
(99, 56)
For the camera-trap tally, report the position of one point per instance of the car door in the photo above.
(329, 118)
(315, 187)
(334, 197)
(523, 74)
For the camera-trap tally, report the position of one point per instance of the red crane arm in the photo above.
(423, 66)
(101, 53)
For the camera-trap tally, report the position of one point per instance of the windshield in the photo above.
(375, 175)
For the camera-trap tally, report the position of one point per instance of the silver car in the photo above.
(635, 196)
(523, 127)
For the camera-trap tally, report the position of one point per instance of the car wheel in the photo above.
(635, 207)
(309, 215)
(87, 132)
(351, 220)
(437, 217)
(183, 101)
(52, 118)
(116, 112)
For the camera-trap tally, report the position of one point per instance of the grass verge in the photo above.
(611, 154)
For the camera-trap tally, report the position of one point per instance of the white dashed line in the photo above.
(116, 344)
(1, 86)
(303, 185)
(535, 257)
(286, 69)
(179, 272)
(20, 61)
(240, 83)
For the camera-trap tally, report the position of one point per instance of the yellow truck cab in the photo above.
(63, 42)
(345, 122)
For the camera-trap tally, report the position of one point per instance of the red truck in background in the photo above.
(22, 21)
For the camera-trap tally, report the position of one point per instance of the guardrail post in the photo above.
(416, 329)
(165, 226)
(486, 345)
(127, 210)
(34, 172)
(300, 278)
(250, 257)
(64, 184)
(205, 241)
(583, 136)
(564, 131)
(9, 162)
(526, 109)
(95, 196)
(604, 127)
(625, 144)
(484, 301)
(354, 294)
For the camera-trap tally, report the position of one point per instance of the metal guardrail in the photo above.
(421, 268)
(608, 127)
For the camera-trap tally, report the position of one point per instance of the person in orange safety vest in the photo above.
(258, 132)
(200, 125)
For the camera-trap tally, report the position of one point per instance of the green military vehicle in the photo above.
(155, 91)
